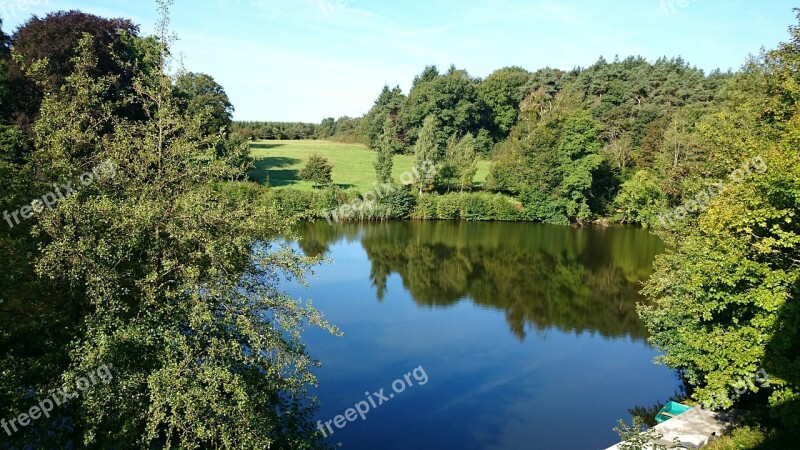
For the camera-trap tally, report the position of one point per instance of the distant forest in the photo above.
(620, 139)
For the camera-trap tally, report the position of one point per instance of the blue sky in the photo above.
(304, 60)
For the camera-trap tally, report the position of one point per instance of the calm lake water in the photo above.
(527, 334)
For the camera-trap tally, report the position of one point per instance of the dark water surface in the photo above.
(524, 336)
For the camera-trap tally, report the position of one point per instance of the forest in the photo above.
(621, 140)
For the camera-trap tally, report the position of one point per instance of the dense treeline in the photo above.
(571, 146)
(278, 130)
(137, 258)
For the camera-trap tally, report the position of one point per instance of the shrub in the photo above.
(539, 207)
(400, 202)
(318, 171)
(467, 206)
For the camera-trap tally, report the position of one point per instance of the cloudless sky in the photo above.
(304, 60)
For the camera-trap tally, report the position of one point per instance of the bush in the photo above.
(317, 170)
(397, 205)
(400, 202)
(541, 208)
(467, 206)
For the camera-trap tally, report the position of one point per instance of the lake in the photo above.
(523, 336)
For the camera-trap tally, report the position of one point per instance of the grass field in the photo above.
(281, 161)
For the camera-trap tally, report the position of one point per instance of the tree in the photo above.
(387, 105)
(326, 129)
(317, 170)
(641, 199)
(55, 38)
(162, 275)
(460, 163)
(637, 436)
(552, 161)
(388, 146)
(4, 88)
(201, 95)
(725, 295)
(426, 153)
(452, 98)
(578, 147)
(502, 92)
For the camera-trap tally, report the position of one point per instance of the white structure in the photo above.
(695, 427)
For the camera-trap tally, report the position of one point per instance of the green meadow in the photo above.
(280, 162)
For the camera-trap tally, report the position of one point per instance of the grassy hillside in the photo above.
(281, 161)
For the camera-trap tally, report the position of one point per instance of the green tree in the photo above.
(502, 92)
(387, 105)
(452, 98)
(161, 275)
(551, 160)
(725, 296)
(427, 153)
(4, 88)
(637, 436)
(201, 95)
(460, 163)
(388, 146)
(326, 129)
(578, 149)
(640, 200)
(317, 170)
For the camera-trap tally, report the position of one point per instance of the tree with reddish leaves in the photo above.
(55, 37)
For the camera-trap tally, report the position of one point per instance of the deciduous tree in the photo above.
(317, 170)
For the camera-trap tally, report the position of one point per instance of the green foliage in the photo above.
(373, 125)
(502, 92)
(467, 206)
(166, 272)
(460, 164)
(640, 200)
(509, 171)
(553, 166)
(278, 131)
(726, 295)
(4, 87)
(400, 203)
(540, 207)
(427, 151)
(578, 147)
(451, 98)
(566, 139)
(755, 438)
(387, 147)
(638, 436)
(202, 95)
(317, 170)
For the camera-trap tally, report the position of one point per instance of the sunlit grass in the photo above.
(281, 161)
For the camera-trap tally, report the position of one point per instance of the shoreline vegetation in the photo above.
(397, 199)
